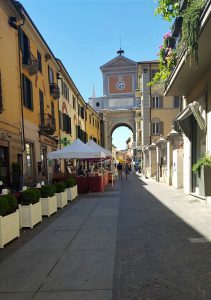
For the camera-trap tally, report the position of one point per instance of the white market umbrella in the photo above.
(77, 150)
(97, 147)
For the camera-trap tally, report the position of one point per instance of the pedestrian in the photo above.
(119, 169)
(127, 169)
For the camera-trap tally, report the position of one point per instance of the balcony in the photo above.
(185, 75)
(47, 124)
(30, 63)
(54, 90)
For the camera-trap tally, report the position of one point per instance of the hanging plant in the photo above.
(191, 26)
(168, 9)
(64, 141)
(167, 61)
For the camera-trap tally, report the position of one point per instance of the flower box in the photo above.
(61, 199)
(48, 205)
(9, 228)
(30, 214)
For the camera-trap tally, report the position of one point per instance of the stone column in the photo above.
(169, 161)
(158, 163)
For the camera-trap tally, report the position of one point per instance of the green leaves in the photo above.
(168, 9)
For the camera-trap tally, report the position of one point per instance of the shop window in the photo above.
(4, 159)
(29, 160)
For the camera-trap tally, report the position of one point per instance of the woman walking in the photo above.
(127, 169)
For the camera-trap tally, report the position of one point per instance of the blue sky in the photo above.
(85, 34)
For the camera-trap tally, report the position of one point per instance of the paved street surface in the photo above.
(138, 240)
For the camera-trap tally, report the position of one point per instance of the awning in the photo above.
(183, 118)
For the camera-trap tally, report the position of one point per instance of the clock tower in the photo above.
(119, 84)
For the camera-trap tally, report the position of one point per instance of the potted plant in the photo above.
(9, 219)
(61, 194)
(203, 169)
(71, 188)
(30, 208)
(48, 199)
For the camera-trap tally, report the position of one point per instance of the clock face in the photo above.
(120, 85)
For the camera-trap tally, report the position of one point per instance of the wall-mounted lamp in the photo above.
(12, 22)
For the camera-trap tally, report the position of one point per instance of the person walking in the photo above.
(127, 169)
(119, 169)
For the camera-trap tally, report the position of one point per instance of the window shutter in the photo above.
(1, 100)
(31, 103)
(21, 39)
(60, 121)
(160, 101)
(161, 128)
(70, 125)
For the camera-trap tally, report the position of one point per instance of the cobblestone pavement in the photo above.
(163, 246)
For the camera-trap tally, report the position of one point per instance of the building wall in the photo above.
(10, 115)
(93, 127)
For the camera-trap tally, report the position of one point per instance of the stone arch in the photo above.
(116, 119)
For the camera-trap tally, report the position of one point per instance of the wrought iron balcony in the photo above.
(54, 90)
(30, 63)
(47, 124)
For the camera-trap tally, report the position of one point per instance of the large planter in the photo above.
(70, 194)
(30, 214)
(48, 205)
(61, 199)
(204, 180)
(75, 191)
(9, 228)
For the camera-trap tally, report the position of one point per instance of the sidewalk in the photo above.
(72, 258)
(137, 240)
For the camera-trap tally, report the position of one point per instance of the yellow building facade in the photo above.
(10, 92)
(93, 125)
(40, 106)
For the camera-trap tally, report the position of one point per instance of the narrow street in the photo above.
(137, 240)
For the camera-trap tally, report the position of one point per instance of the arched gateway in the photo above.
(118, 105)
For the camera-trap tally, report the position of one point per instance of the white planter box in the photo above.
(9, 228)
(61, 199)
(30, 215)
(48, 205)
(75, 191)
(70, 194)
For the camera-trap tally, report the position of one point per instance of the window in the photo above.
(29, 160)
(50, 75)
(93, 121)
(66, 123)
(153, 72)
(74, 104)
(157, 128)
(97, 104)
(157, 102)
(53, 114)
(1, 100)
(42, 112)
(39, 61)
(176, 102)
(43, 156)
(90, 119)
(25, 47)
(27, 92)
(85, 115)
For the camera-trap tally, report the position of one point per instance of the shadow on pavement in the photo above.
(158, 255)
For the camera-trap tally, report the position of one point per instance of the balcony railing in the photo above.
(30, 63)
(47, 124)
(54, 90)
